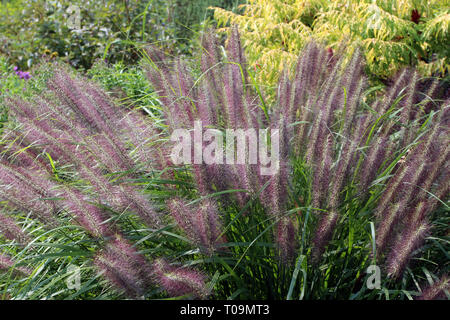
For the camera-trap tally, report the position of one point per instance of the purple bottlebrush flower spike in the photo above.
(140, 134)
(437, 290)
(212, 86)
(137, 203)
(372, 163)
(408, 241)
(235, 84)
(405, 188)
(7, 263)
(320, 116)
(179, 281)
(10, 230)
(22, 194)
(18, 151)
(324, 233)
(90, 217)
(321, 178)
(309, 75)
(213, 224)
(124, 267)
(91, 106)
(391, 216)
(286, 239)
(394, 91)
(183, 216)
(201, 223)
(185, 88)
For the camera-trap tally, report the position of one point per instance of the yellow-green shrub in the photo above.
(274, 31)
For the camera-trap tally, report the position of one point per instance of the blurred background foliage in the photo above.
(110, 29)
(393, 34)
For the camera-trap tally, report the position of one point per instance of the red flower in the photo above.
(415, 16)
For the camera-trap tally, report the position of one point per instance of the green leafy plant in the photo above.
(113, 30)
(393, 34)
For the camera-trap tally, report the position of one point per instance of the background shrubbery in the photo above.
(112, 29)
(393, 34)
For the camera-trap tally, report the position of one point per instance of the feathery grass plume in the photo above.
(235, 80)
(275, 197)
(391, 217)
(412, 97)
(206, 106)
(68, 156)
(6, 263)
(354, 83)
(95, 106)
(394, 91)
(323, 234)
(372, 163)
(321, 178)
(340, 172)
(140, 205)
(320, 150)
(201, 223)
(309, 76)
(86, 102)
(213, 224)
(414, 175)
(107, 135)
(124, 267)
(164, 80)
(17, 151)
(22, 194)
(212, 104)
(431, 203)
(183, 216)
(411, 239)
(286, 239)
(87, 215)
(10, 230)
(140, 134)
(35, 180)
(435, 176)
(184, 85)
(439, 290)
(330, 98)
(179, 281)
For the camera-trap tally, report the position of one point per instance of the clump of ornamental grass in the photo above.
(362, 178)
(72, 152)
(349, 157)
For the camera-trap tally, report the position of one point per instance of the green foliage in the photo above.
(110, 29)
(12, 85)
(127, 84)
(186, 17)
(274, 32)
